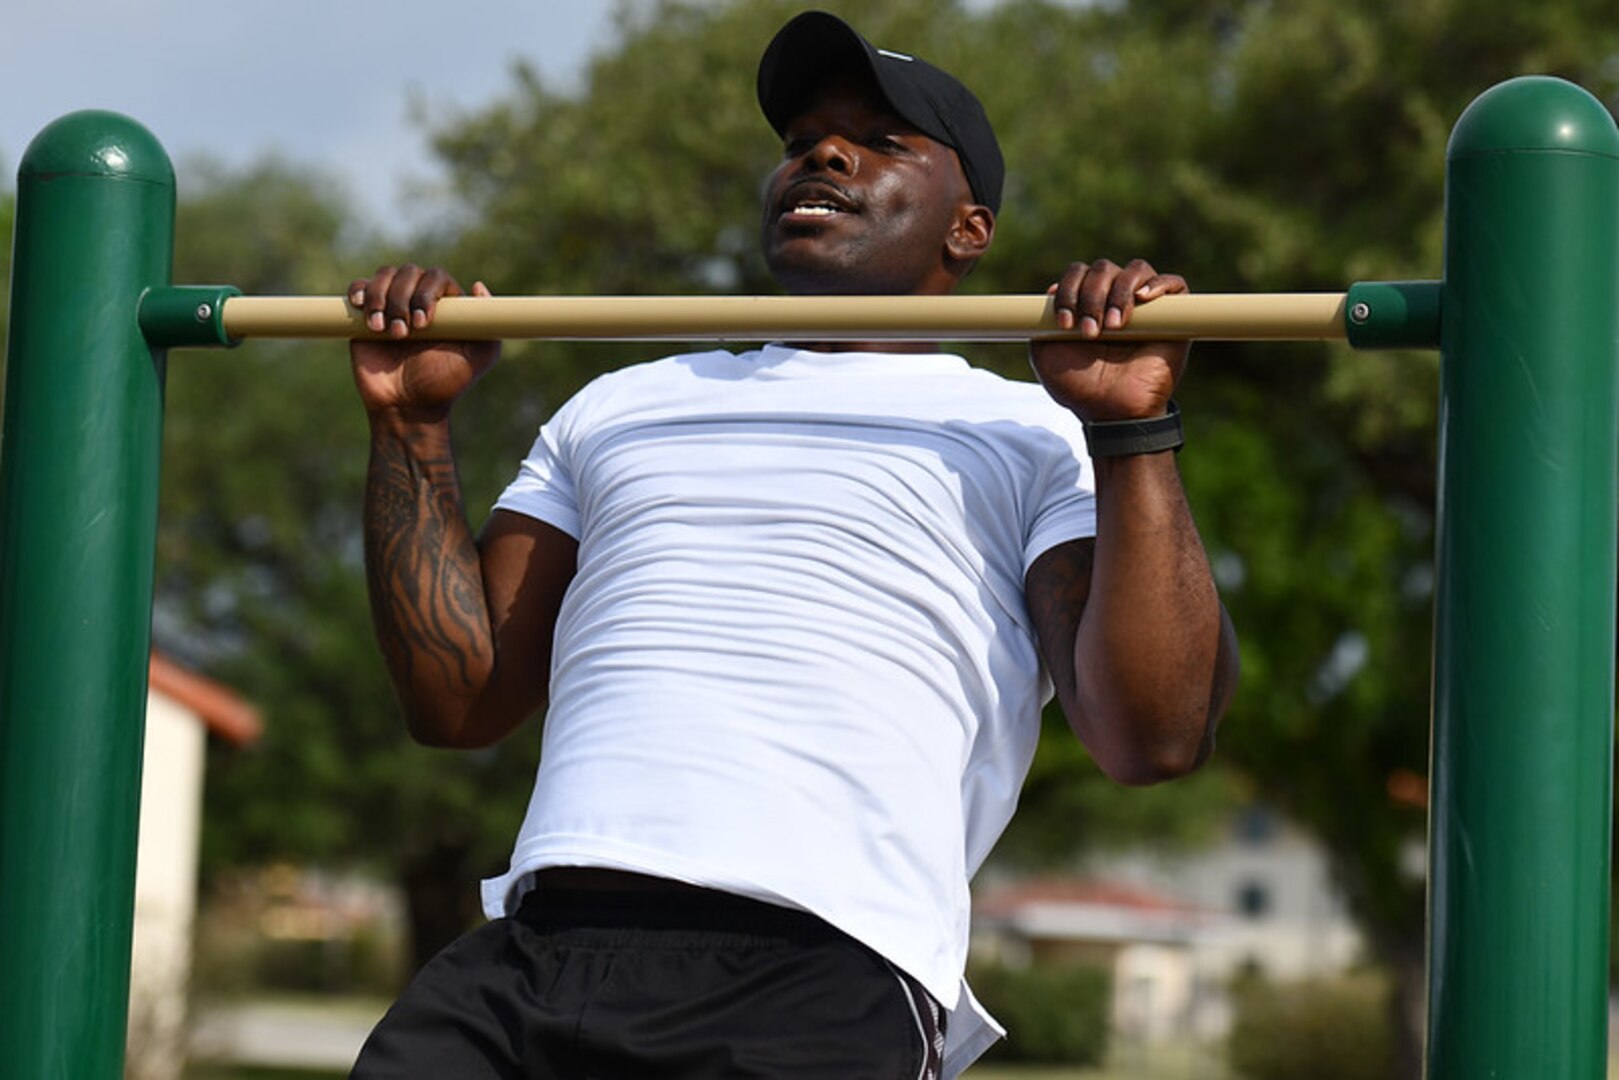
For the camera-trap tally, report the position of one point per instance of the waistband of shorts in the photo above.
(675, 907)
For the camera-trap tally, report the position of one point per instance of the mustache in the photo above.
(820, 187)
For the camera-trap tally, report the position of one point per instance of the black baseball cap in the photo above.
(815, 45)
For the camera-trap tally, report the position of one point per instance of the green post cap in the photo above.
(94, 142)
(1534, 112)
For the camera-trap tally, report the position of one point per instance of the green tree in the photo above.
(1252, 146)
(261, 580)
(1249, 145)
(1277, 147)
(647, 181)
(260, 575)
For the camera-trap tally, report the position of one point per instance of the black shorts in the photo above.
(668, 985)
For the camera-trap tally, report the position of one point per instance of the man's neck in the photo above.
(933, 288)
(866, 346)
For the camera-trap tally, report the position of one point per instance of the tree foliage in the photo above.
(260, 576)
(1251, 146)
(1248, 145)
(1326, 1030)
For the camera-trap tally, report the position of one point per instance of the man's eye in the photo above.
(888, 144)
(801, 144)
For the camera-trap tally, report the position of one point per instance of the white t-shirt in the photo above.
(796, 662)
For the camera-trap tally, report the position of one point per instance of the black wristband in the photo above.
(1121, 438)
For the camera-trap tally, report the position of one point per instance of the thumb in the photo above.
(480, 289)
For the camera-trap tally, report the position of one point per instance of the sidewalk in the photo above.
(307, 1034)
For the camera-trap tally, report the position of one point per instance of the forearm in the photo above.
(1153, 659)
(425, 580)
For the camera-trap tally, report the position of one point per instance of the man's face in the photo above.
(862, 202)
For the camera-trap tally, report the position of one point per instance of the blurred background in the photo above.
(300, 857)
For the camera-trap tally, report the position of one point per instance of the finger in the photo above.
(1093, 296)
(374, 296)
(480, 289)
(356, 292)
(1066, 293)
(1121, 298)
(397, 304)
(434, 284)
(1161, 285)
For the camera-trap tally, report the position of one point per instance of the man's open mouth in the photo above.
(815, 199)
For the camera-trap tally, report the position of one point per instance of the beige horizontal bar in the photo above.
(1225, 317)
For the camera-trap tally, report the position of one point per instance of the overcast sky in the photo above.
(328, 82)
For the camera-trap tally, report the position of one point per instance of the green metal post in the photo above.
(1524, 635)
(79, 455)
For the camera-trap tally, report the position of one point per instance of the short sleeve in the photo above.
(1064, 506)
(544, 486)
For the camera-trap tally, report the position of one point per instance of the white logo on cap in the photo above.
(895, 55)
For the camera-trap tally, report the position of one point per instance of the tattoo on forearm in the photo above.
(422, 569)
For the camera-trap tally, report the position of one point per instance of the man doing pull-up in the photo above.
(791, 614)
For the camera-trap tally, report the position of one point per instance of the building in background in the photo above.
(182, 710)
(1174, 930)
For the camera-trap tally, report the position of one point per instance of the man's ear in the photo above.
(971, 235)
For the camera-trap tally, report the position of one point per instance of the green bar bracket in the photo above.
(1393, 315)
(179, 315)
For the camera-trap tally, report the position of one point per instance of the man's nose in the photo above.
(836, 154)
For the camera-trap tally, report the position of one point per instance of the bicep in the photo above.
(1056, 587)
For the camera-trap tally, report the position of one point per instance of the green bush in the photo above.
(363, 963)
(1052, 1015)
(1327, 1030)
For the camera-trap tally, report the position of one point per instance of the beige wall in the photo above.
(165, 889)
